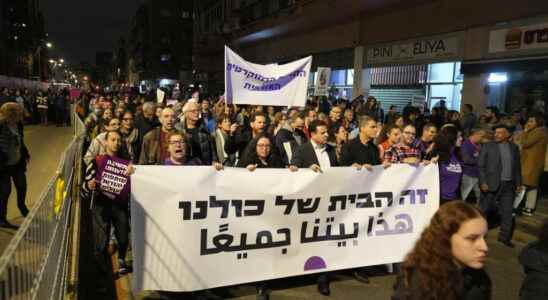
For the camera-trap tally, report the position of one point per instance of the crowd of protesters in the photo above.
(483, 159)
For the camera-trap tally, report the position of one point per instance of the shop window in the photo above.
(459, 77)
(450, 93)
(350, 77)
(312, 79)
(338, 77)
(441, 72)
(497, 77)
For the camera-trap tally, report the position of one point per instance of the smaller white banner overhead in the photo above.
(322, 82)
(273, 84)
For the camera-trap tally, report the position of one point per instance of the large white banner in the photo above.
(273, 84)
(195, 228)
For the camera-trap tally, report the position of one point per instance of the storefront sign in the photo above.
(417, 50)
(519, 38)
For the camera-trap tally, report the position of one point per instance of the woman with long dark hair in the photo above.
(447, 261)
(260, 153)
(446, 149)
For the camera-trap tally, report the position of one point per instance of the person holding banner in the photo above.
(317, 155)
(362, 152)
(260, 153)
(107, 184)
(405, 151)
(447, 261)
(178, 149)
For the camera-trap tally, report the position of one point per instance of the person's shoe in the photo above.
(122, 267)
(506, 243)
(8, 225)
(361, 276)
(527, 212)
(323, 288)
(262, 294)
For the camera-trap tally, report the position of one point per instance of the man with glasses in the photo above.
(200, 142)
(288, 139)
(154, 147)
(405, 151)
(147, 120)
(131, 147)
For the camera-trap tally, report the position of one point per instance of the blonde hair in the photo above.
(11, 111)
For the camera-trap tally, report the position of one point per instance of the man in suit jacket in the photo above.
(317, 155)
(500, 179)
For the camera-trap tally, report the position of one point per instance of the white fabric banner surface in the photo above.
(272, 84)
(196, 228)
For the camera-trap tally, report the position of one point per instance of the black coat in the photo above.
(305, 156)
(476, 286)
(286, 136)
(534, 260)
(6, 139)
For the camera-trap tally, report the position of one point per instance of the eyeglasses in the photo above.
(263, 145)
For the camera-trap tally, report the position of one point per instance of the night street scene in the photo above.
(273, 149)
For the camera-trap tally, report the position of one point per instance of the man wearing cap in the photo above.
(500, 179)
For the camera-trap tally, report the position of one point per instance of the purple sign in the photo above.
(111, 177)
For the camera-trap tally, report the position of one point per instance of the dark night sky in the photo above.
(79, 28)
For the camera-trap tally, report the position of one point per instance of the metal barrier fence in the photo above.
(36, 264)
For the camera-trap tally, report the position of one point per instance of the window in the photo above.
(350, 77)
(442, 72)
(338, 77)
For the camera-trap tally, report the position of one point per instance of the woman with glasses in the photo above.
(260, 153)
(177, 147)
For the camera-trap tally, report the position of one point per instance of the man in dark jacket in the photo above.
(238, 141)
(200, 141)
(13, 160)
(289, 139)
(500, 179)
(317, 155)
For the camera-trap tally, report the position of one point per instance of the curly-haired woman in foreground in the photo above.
(447, 261)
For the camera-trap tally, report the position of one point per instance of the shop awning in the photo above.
(534, 63)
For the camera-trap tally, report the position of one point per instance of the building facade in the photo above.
(159, 45)
(22, 40)
(399, 51)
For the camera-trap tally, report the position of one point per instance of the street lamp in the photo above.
(49, 45)
(61, 60)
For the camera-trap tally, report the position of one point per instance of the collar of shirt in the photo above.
(318, 147)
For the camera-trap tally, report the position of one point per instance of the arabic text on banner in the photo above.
(196, 228)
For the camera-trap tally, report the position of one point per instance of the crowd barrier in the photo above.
(22, 83)
(40, 261)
